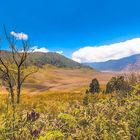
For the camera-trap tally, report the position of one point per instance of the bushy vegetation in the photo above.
(94, 86)
(117, 84)
(54, 59)
(71, 116)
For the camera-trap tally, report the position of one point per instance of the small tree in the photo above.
(117, 84)
(13, 65)
(94, 86)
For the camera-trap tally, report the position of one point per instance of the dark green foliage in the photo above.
(94, 86)
(54, 59)
(117, 84)
(40, 59)
(85, 100)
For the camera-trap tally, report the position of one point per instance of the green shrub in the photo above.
(117, 84)
(94, 86)
(67, 119)
(52, 135)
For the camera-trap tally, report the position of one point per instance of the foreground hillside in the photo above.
(54, 105)
(73, 116)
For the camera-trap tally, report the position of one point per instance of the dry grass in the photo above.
(60, 79)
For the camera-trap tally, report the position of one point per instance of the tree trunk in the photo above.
(12, 94)
(18, 87)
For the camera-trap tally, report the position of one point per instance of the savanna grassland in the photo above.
(64, 79)
(54, 106)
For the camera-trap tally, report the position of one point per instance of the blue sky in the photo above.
(68, 25)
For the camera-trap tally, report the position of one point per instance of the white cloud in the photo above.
(43, 49)
(60, 52)
(37, 49)
(107, 52)
(19, 36)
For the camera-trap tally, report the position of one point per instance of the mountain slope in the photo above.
(131, 63)
(40, 59)
(54, 59)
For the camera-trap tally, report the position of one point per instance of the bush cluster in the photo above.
(115, 84)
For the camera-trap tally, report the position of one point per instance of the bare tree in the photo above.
(13, 65)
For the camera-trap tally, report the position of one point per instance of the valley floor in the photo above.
(60, 79)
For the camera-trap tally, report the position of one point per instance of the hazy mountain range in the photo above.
(131, 63)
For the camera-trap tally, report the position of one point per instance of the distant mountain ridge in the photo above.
(131, 63)
(52, 58)
(55, 59)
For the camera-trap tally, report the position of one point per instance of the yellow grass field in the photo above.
(51, 78)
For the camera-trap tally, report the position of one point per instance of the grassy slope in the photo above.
(40, 59)
(63, 79)
(55, 59)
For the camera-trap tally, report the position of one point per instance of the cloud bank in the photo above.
(19, 36)
(107, 52)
